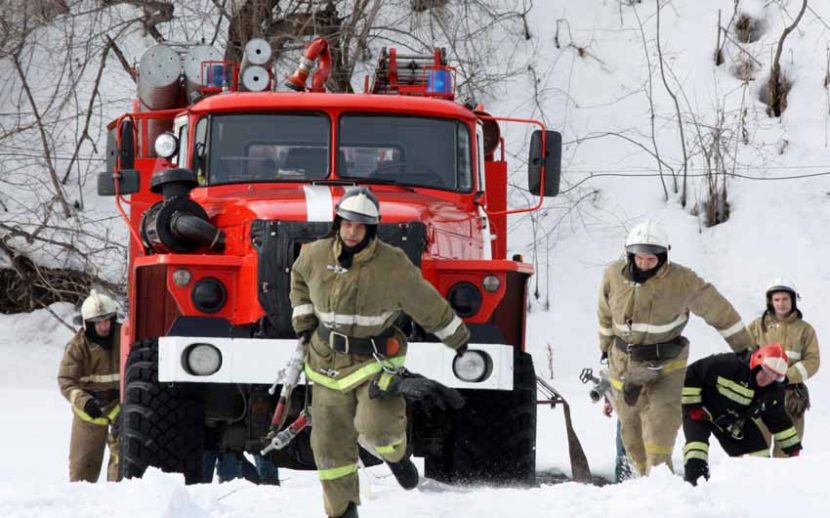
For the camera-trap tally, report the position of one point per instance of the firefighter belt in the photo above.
(384, 344)
(652, 352)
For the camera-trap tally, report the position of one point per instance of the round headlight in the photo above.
(166, 145)
(202, 359)
(209, 295)
(491, 283)
(181, 277)
(472, 366)
(465, 299)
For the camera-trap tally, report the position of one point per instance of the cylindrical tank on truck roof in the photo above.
(159, 71)
(193, 68)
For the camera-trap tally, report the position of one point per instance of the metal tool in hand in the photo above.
(601, 384)
(289, 377)
(278, 441)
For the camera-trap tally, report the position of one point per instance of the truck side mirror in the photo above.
(127, 150)
(128, 183)
(552, 158)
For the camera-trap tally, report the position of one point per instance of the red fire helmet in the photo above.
(771, 358)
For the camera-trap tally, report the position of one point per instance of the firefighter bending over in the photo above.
(782, 323)
(347, 290)
(723, 395)
(644, 304)
(89, 378)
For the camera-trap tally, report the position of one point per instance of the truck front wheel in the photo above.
(493, 437)
(160, 425)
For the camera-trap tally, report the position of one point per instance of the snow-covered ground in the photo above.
(776, 228)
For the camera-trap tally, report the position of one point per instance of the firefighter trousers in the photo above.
(86, 451)
(752, 441)
(339, 420)
(649, 427)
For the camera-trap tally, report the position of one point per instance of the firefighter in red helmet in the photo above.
(723, 395)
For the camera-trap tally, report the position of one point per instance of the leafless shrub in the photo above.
(748, 29)
(778, 87)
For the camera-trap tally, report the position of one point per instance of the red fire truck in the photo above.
(222, 183)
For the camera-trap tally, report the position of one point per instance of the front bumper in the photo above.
(257, 361)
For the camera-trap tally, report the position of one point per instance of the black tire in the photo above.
(160, 425)
(493, 438)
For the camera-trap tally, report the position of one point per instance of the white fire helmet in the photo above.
(98, 307)
(781, 284)
(647, 237)
(360, 206)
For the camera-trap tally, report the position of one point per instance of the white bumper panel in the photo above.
(251, 360)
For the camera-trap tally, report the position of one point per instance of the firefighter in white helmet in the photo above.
(89, 379)
(782, 322)
(347, 291)
(644, 305)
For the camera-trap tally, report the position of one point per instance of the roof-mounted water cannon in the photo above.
(409, 74)
(316, 50)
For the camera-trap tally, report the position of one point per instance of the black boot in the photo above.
(350, 512)
(694, 470)
(406, 472)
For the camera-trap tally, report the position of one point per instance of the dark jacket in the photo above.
(725, 386)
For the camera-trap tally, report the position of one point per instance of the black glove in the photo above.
(603, 358)
(415, 389)
(694, 469)
(304, 336)
(631, 393)
(461, 350)
(92, 407)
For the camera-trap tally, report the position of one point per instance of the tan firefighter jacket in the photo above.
(796, 336)
(87, 370)
(658, 310)
(361, 302)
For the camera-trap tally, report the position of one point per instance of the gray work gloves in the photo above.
(635, 378)
(796, 399)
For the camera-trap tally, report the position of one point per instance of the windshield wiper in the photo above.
(354, 180)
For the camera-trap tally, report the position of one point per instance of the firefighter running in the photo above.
(347, 290)
(89, 379)
(782, 323)
(723, 395)
(644, 304)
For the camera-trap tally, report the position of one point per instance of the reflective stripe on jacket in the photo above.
(363, 301)
(798, 338)
(658, 310)
(87, 370)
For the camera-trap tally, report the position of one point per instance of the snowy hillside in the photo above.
(593, 84)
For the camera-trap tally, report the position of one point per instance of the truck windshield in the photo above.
(267, 148)
(415, 151)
